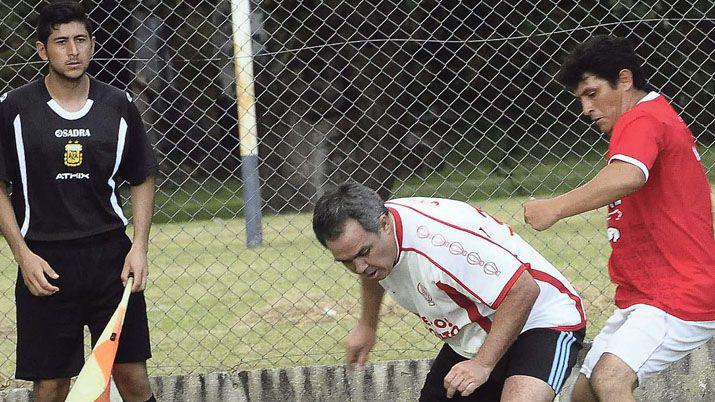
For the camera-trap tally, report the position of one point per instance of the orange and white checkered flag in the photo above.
(92, 384)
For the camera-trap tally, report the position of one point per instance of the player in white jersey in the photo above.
(511, 323)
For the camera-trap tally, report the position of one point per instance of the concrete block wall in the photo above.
(691, 379)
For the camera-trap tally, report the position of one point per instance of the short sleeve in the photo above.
(6, 135)
(138, 160)
(638, 142)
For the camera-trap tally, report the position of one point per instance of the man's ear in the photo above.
(625, 79)
(41, 50)
(384, 222)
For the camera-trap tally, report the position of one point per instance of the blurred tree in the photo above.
(373, 90)
(344, 92)
(17, 45)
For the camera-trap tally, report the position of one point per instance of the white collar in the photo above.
(651, 95)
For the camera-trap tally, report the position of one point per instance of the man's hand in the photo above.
(34, 269)
(541, 214)
(465, 377)
(359, 344)
(136, 263)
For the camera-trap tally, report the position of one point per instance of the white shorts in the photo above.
(647, 339)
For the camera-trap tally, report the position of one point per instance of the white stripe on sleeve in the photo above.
(20, 147)
(118, 159)
(633, 161)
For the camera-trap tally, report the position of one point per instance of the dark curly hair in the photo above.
(604, 57)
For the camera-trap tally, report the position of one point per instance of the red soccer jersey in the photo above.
(662, 235)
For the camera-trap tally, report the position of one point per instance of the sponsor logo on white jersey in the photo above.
(72, 176)
(434, 203)
(72, 132)
(442, 328)
(423, 291)
(456, 248)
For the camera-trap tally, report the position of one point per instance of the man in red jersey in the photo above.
(660, 223)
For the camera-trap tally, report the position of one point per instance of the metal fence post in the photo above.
(245, 99)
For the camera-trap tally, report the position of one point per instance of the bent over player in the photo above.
(511, 323)
(66, 139)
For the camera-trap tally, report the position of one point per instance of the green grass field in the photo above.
(215, 305)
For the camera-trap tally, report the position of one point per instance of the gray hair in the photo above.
(349, 200)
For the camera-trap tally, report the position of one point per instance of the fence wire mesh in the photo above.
(445, 98)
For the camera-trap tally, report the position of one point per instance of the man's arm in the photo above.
(142, 198)
(32, 267)
(362, 338)
(508, 322)
(372, 294)
(616, 180)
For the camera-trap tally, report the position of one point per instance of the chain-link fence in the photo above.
(448, 98)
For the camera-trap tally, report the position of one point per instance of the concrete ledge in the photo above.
(691, 379)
